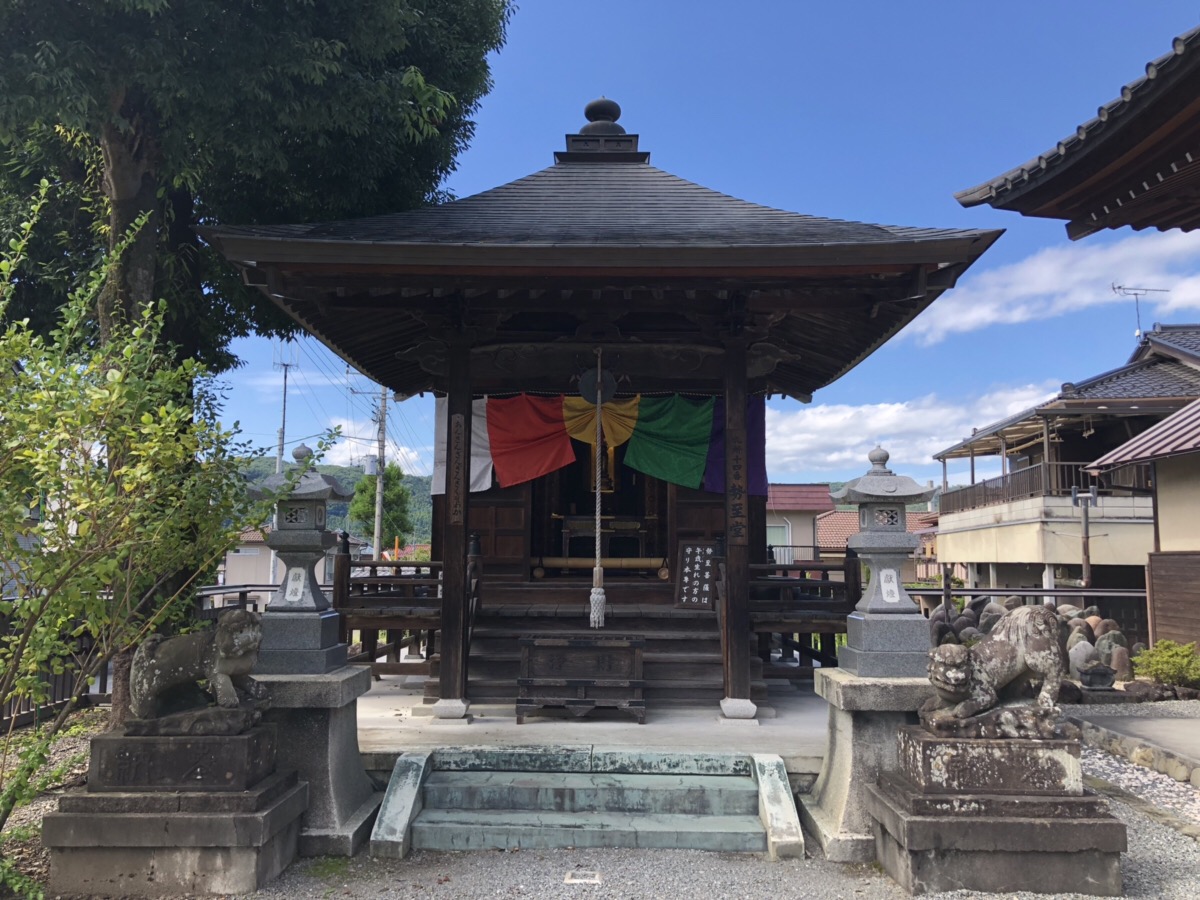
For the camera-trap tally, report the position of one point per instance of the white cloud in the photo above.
(410, 460)
(270, 384)
(1068, 278)
(831, 440)
(360, 439)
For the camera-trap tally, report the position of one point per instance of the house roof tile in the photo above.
(807, 497)
(1173, 436)
(836, 527)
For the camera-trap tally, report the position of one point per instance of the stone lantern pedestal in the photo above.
(881, 680)
(314, 694)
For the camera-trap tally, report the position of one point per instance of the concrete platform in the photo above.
(393, 719)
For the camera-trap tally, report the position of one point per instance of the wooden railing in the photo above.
(1054, 479)
(802, 604)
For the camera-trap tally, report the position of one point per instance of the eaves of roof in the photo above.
(1175, 435)
(1104, 145)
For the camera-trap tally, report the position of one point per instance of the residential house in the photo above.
(835, 528)
(249, 562)
(1133, 164)
(1172, 450)
(792, 511)
(1026, 526)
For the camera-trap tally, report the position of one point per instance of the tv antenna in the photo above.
(1137, 293)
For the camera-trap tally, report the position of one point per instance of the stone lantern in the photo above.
(300, 631)
(886, 635)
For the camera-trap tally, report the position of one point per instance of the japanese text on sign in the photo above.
(697, 572)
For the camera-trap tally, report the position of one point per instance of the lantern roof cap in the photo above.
(882, 485)
(312, 485)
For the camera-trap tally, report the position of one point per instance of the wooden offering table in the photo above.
(581, 672)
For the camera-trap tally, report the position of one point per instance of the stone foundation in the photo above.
(993, 815)
(139, 831)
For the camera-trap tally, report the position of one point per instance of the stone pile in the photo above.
(977, 618)
(1090, 641)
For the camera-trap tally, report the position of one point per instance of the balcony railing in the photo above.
(1054, 479)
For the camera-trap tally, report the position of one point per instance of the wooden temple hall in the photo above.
(601, 337)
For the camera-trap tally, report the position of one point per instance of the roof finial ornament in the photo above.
(879, 458)
(602, 117)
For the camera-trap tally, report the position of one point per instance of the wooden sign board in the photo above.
(696, 575)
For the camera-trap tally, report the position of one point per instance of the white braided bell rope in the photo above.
(597, 596)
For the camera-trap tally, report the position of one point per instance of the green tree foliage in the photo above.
(198, 112)
(396, 522)
(110, 486)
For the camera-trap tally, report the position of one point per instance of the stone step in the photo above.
(701, 667)
(697, 795)
(504, 829)
(668, 693)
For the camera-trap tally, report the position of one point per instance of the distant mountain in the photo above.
(420, 503)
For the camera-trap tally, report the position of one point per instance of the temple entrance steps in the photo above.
(560, 797)
(681, 659)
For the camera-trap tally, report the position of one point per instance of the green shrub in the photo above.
(1169, 663)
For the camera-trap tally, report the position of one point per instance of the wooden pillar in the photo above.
(454, 534)
(736, 620)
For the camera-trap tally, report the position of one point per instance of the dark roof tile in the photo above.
(589, 203)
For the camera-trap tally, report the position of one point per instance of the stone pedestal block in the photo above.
(161, 842)
(864, 714)
(938, 765)
(880, 645)
(993, 815)
(211, 763)
(300, 643)
(317, 721)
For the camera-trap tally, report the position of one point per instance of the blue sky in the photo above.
(875, 111)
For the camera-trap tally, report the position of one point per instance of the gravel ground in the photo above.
(1161, 862)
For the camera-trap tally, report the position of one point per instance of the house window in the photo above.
(777, 537)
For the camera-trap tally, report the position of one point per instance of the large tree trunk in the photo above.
(131, 186)
(184, 285)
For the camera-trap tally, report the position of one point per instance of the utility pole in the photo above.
(1085, 500)
(285, 365)
(283, 422)
(380, 468)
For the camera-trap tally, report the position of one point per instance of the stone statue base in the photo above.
(864, 714)
(205, 720)
(162, 763)
(176, 815)
(1025, 722)
(317, 719)
(993, 815)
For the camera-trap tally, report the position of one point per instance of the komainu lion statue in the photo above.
(1023, 647)
(223, 656)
